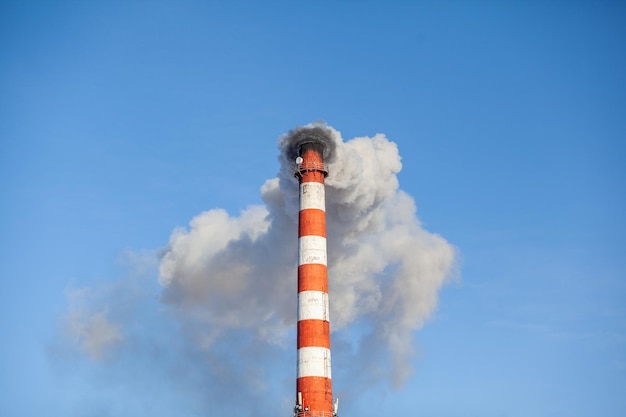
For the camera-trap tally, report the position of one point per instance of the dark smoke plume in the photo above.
(316, 132)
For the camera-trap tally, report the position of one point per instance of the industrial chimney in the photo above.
(314, 397)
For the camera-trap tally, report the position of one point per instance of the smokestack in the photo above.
(314, 395)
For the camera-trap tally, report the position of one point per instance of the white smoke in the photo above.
(91, 330)
(229, 273)
(228, 289)
(96, 316)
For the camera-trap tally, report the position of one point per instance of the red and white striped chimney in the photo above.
(314, 397)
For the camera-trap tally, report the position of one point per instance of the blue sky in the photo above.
(121, 121)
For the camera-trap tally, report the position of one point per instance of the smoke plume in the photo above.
(385, 270)
(220, 334)
(317, 132)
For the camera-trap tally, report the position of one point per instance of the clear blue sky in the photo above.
(120, 121)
